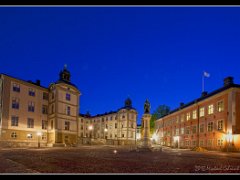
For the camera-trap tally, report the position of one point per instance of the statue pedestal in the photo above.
(146, 143)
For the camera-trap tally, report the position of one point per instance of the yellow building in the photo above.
(115, 128)
(33, 115)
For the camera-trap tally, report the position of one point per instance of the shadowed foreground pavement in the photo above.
(102, 159)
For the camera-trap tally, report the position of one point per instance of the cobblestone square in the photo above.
(110, 159)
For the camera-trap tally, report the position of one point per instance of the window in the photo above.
(81, 120)
(210, 109)
(44, 109)
(188, 116)
(132, 116)
(194, 129)
(177, 120)
(220, 106)
(115, 135)
(30, 106)
(14, 135)
(202, 128)
(182, 130)
(31, 92)
(132, 125)
(194, 114)
(220, 125)
(67, 125)
(202, 112)
(44, 124)
(110, 118)
(16, 87)
(210, 126)
(29, 136)
(123, 135)
(81, 127)
(182, 118)
(177, 132)
(209, 142)
(193, 143)
(115, 125)
(122, 125)
(116, 117)
(14, 121)
(44, 137)
(220, 142)
(68, 97)
(187, 130)
(51, 124)
(45, 96)
(30, 123)
(15, 103)
(186, 143)
(201, 143)
(123, 116)
(102, 119)
(68, 110)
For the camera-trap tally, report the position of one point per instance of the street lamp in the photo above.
(39, 134)
(176, 140)
(229, 138)
(105, 131)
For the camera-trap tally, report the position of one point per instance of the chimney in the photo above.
(228, 81)
(204, 93)
(38, 82)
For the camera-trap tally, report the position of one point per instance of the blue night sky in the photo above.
(158, 53)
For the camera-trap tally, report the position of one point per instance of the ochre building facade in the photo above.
(211, 121)
(33, 115)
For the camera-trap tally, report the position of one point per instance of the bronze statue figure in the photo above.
(147, 107)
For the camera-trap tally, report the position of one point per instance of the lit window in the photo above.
(68, 97)
(194, 114)
(182, 130)
(14, 121)
(209, 142)
(201, 112)
(210, 109)
(44, 137)
(220, 106)
(16, 87)
(30, 123)
(188, 116)
(177, 132)
(201, 143)
(31, 92)
(14, 135)
(210, 126)
(220, 125)
(15, 103)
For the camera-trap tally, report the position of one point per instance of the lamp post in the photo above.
(105, 131)
(229, 141)
(39, 134)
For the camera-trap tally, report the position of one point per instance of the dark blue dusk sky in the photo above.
(157, 53)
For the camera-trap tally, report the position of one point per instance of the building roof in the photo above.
(226, 87)
(66, 82)
(87, 115)
(29, 81)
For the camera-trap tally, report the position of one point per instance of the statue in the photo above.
(147, 107)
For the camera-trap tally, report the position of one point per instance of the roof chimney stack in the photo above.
(38, 82)
(204, 93)
(228, 81)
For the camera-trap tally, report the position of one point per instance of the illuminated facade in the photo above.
(211, 121)
(32, 115)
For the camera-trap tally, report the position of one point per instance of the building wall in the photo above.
(22, 131)
(119, 126)
(203, 131)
